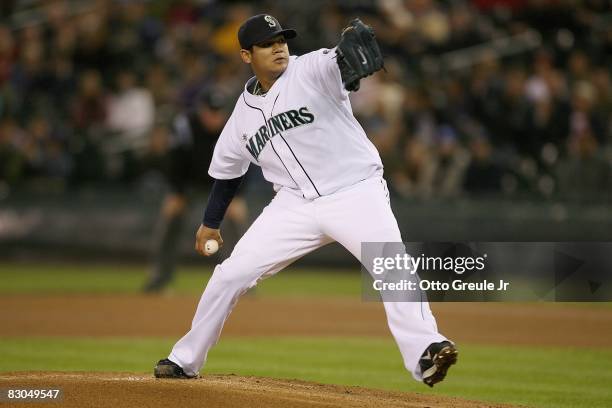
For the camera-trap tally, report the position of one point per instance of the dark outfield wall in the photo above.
(119, 225)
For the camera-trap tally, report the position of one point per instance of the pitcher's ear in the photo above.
(246, 55)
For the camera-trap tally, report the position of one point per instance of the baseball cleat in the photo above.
(436, 360)
(169, 369)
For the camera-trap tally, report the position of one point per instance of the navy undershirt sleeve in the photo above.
(221, 195)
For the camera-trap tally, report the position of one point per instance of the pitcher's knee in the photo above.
(231, 276)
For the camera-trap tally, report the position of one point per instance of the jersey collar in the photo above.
(272, 92)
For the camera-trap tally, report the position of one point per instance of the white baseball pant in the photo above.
(287, 229)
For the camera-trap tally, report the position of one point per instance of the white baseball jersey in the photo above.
(302, 132)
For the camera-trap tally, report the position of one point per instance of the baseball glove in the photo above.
(358, 54)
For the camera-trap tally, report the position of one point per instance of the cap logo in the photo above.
(270, 20)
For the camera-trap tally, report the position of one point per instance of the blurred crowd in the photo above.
(480, 97)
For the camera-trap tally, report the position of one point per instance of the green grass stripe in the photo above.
(35, 278)
(538, 377)
(83, 278)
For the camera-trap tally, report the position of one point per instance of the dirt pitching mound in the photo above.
(120, 390)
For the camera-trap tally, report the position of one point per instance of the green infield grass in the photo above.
(534, 377)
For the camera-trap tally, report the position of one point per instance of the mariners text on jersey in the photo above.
(302, 132)
(276, 124)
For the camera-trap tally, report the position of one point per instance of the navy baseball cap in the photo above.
(260, 28)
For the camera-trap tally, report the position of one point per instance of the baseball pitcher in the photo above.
(294, 119)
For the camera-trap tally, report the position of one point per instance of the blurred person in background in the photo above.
(93, 49)
(378, 107)
(90, 104)
(12, 161)
(192, 138)
(159, 83)
(584, 118)
(8, 96)
(450, 163)
(602, 80)
(483, 176)
(30, 76)
(545, 124)
(45, 154)
(131, 109)
(509, 111)
(414, 178)
(585, 174)
(131, 113)
(87, 118)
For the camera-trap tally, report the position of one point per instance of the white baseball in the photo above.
(211, 246)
